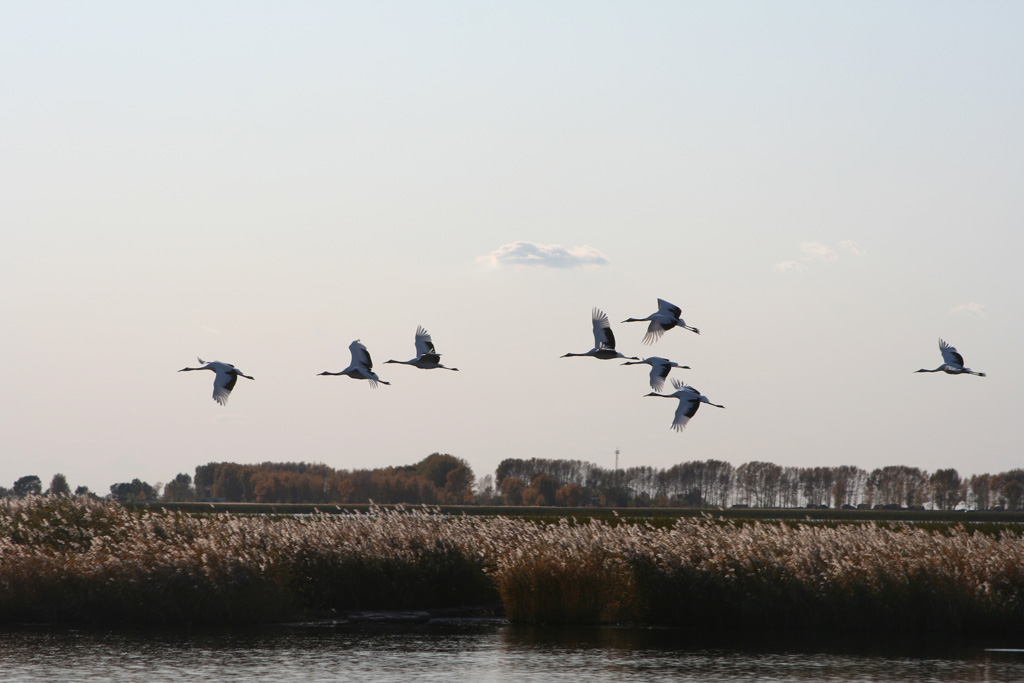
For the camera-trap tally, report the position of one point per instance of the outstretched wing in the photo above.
(670, 309)
(360, 356)
(688, 404)
(659, 371)
(603, 337)
(223, 383)
(950, 355)
(654, 331)
(423, 342)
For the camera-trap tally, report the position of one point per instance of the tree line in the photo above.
(441, 478)
(716, 483)
(437, 479)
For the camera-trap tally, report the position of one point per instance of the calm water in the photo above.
(480, 653)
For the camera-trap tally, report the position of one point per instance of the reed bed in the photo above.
(82, 560)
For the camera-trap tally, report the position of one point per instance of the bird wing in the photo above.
(688, 405)
(654, 331)
(950, 354)
(223, 383)
(603, 337)
(429, 358)
(671, 309)
(423, 342)
(659, 371)
(360, 356)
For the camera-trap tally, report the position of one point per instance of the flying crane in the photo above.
(689, 400)
(224, 379)
(660, 367)
(604, 340)
(361, 366)
(665, 318)
(953, 362)
(427, 358)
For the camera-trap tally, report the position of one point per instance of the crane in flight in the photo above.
(427, 357)
(665, 318)
(224, 379)
(361, 366)
(952, 362)
(689, 400)
(660, 367)
(604, 340)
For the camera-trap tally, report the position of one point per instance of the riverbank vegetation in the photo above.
(78, 559)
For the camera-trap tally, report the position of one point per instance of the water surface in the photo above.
(488, 652)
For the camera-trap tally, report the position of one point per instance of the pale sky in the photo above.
(825, 189)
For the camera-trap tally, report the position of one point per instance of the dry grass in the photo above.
(76, 559)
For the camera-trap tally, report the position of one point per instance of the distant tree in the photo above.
(981, 491)
(570, 495)
(614, 496)
(342, 487)
(512, 489)
(458, 487)
(897, 485)
(59, 486)
(946, 489)
(541, 490)
(790, 487)
(28, 485)
(484, 490)
(643, 482)
(717, 481)
(1011, 488)
(759, 483)
(179, 489)
(918, 487)
(436, 466)
(231, 483)
(817, 484)
(82, 491)
(690, 499)
(848, 485)
(133, 491)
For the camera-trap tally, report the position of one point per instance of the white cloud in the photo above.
(817, 250)
(789, 267)
(973, 308)
(546, 255)
(853, 247)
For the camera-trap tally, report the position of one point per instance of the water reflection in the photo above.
(485, 653)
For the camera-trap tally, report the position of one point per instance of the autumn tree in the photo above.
(541, 490)
(28, 485)
(512, 489)
(135, 490)
(179, 489)
(59, 486)
(570, 495)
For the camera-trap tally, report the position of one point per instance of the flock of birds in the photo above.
(661, 321)
(667, 317)
(361, 367)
